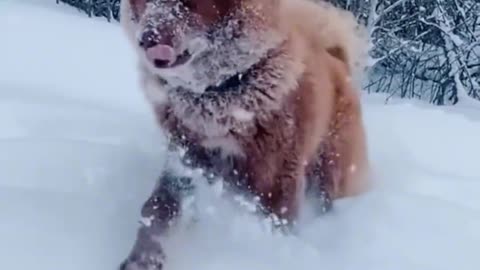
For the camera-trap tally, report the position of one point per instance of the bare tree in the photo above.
(426, 49)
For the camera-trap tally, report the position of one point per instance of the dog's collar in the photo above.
(233, 82)
(230, 84)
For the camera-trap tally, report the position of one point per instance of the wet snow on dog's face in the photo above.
(195, 44)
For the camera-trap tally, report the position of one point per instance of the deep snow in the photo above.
(79, 152)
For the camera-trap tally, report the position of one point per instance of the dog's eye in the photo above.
(190, 4)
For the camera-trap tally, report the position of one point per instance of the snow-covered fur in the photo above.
(268, 89)
(219, 52)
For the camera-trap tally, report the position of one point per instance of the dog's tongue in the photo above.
(161, 53)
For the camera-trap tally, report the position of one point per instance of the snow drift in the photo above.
(79, 152)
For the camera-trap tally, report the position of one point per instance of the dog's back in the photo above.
(331, 28)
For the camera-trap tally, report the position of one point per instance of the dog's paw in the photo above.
(152, 260)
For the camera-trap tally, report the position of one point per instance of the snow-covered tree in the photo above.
(428, 49)
(98, 8)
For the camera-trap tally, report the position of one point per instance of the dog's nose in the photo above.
(158, 48)
(161, 55)
(151, 38)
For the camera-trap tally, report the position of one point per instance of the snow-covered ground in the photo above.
(79, 152)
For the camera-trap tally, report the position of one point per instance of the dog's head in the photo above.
(195, 44)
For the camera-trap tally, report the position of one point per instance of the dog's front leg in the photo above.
(158, 214)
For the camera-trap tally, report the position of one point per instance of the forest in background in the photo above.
(421, 49)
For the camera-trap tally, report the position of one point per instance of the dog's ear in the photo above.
(137, 7)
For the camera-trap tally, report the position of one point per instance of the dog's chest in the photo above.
(220, 155)
(217, 159)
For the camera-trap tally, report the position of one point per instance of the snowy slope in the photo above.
(79, 152)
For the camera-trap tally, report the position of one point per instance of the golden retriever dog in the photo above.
(258, 92)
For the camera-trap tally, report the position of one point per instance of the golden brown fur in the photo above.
(317, 131)
(301, 121)
(318, 127)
